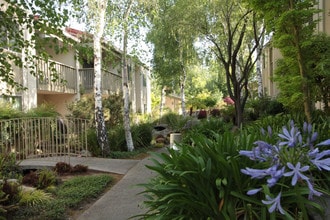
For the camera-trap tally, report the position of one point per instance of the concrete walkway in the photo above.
(122, 201)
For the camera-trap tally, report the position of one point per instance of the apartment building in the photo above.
(74, 77)
(271, 55)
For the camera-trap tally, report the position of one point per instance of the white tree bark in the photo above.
(99, 22)
(127, 126)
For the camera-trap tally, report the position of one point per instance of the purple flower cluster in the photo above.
(291, 157)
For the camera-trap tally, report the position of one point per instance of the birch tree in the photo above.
(97, 11)
(127, 126)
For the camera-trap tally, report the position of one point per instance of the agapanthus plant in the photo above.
(289, 167)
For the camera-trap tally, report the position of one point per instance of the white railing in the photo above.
(44, 137)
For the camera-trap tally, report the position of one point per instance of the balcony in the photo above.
(56, 77)
(60, 78)
(111, 82)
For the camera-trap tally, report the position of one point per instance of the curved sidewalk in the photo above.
(122, 201)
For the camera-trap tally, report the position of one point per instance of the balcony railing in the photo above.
(111, 82)
(56, 77)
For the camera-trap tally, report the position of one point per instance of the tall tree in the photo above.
(97, 10)
(173, 45)
(234, 31)
(127, 126)
(292, 24)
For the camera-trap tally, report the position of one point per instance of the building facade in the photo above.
(64, 78)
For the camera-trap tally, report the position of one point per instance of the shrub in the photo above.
(117, 139)
(46, 178)
(142, 135)
(174, 121)
(31, 179)
(62, 168)
(199, 182)
(79, 169)
(33, 198)
(9, 168)
(93, 146)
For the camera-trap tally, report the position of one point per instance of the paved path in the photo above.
(122, 201)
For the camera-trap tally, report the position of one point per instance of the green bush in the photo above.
(9, 168)
(200, 182)
(142, 135)
(174, 121)
(46, 178)
(7, 111)
(92, 145)
(263, 107)
(207, 128)
(204, 179)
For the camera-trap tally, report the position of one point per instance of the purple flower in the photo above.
(255, 173)
(253, 191)
(312, 191)
(273, 172)
(262, 152)
(324, 143)
(318, 161)
(291, 137)
(275, 175)
(275, 203)
(296, 172)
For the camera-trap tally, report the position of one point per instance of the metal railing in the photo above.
(56, 77)
(43, 137)
(110, 81)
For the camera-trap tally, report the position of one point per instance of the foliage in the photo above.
(46, 178)
(73, 191)
(68, 195)
(6, 205)
(43, 110)
(34, 197)
(7, 111)
(142, 135)
(203, 179)
(62, 168)
(9, 168)
(293, 164)
(207, 128)
(292, 32)
(117, 138)
(93, 146)
(174, 121)
(264, 106)
(199, 182)
(79, 168)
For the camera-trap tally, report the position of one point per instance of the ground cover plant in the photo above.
(207, 177)
(64, 197)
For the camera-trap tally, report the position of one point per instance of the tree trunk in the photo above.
(182, 86)
(162, 102)
(101, 132)
(127, 124)
(259, 74)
